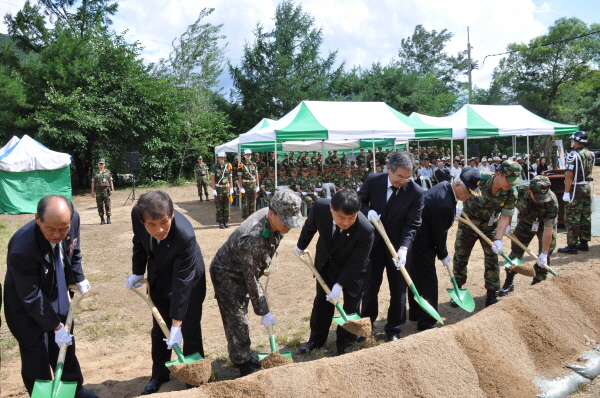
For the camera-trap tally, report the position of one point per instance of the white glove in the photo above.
(61, 336)
(304, 193)
(299, 252)
(298, 193)
(566, 197)
(401, 257)
(336, 291)
(374, 214)
(257, 189)
(458, 212)
(543, 260)
(319, 189)
(508, 229)
(446, 260)
(231, 191)
(84, 286)
(174, 338)
(358, 189)
(132, 281)
(269, 192)
(267, 320)
(242, 190)
(215, 192)
(497, 246)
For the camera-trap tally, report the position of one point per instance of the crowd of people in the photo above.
(44, 256)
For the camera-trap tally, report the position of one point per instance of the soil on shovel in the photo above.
(194, 373)
(275, 359)
(523, 269)
(361, 327)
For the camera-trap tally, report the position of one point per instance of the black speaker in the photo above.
(473, 151)
(132, 160)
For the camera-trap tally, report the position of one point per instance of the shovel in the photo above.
(58, 388)
(536, 258)
(272, 342)
(192, 369)
(420, 300)
(514, 263)
(461, 296)
(353, 322)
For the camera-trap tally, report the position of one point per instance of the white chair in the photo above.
(330, 187)
(426, 183)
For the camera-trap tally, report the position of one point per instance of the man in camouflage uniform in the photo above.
(495, 151)
(248, 183)
(222, 187)
(306, 187)
(268, 185)
(317, 181)
(201, 177)
(293, 180)
(457, 151)
(336, 177)
(360, 158)
(554, 155)
(535, 153)
(102, 186)
(498, 197)
(237, 267)
(578, 195)
(538, 213)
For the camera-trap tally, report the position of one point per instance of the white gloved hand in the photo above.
(566, 197)
(319, 189)
(84, 286)
(497, 246)
(61, 336)
(374, 214)
(508, 229)
(543, 260)
(215, 192)
(269, 192)
(401, 257)
(174, 337)
(304, 193)
(336, 292)
(446, 260)
(267, 320)
(358, 189)
(242, 190)
(298, 193)
(231, 191)
(132, 281)
(299, 252)
(458, 212)
(257, 189)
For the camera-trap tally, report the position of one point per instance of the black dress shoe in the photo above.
(153, 385)
(427, 327)
(345, 349)
(309, 346)
(360, 339)
(83, 393)
(393, 336)
(453, 303)
(569, 249)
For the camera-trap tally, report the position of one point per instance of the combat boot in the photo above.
(535, 281)
(569, 249)
(583, 246)
(491, 298)
(201, 199)
(101, 220)
(108, 220)
(509, 284)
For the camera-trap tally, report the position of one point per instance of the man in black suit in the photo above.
(164, 244)
(438, 215)
(342, 257)
(398, 201)
(43, 259)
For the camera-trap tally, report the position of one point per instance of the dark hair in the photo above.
(43, 204)
(154, 204)
(347, 201)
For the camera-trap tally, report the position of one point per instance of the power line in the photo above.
(2, 1)
(541, 45)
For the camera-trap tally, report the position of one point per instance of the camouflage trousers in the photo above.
(465, 241)
(232, 296)
(578, 216)
(202, 184)
(525, 235)
(102, 202)
(248, 200)
(554, 162)
(222, 204)
(308, 200)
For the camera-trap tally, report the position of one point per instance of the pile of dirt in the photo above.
(361, 327)
(195, 373)
(275, 359)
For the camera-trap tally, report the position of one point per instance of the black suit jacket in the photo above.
(437, 218)
(349, 256)
(30, 283)
(176, 264)
(404, 218)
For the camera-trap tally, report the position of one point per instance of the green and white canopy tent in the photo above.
(234, 145)
(28, 172)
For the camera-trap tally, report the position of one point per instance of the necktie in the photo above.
(336, 233)
(61, 283)
(391, 200)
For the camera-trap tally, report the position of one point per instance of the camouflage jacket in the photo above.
(201, 170)
(496, 153)
(221, 174)
(530, 211)
(268, 184)
(247, 169)
(488, 205)
(360, 159)
(247, 254)
(102, 180)
(574, 159)
(306, 185)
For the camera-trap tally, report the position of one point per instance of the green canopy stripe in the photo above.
(422, 130)
(478, 126)
(304, 127)
(558, 127)
(261, 146)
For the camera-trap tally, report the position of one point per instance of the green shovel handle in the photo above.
(177, 350)
(272, 343)
(341, 311)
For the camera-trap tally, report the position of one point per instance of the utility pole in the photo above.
(469, 70)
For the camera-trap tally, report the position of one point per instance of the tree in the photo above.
(283, 67)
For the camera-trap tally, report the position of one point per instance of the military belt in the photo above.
(223, 186)
(248, 180)
(582, 183)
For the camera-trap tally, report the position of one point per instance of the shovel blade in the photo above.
(262, 355)
(463, 298)
(350, 317)
(510, 261)
(54, 389)
(424, 304)
(195, 357)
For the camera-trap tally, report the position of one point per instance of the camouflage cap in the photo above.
(540, 187)
(304, 169)
(512, 171)
(199, 158)
(101, 161)
(271, 169)
(287, 206)
(338, 167)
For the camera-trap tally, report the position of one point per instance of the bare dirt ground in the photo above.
(112, 325)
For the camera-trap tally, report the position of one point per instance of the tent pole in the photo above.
(239, 188)
(527, 164)
(465, 152)
(514, 142)
(452, 152)
(374, 169)
(322, 154)
(275, 165)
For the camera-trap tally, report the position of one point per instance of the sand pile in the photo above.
(361, 327)
(275, 359)
(195, 373)
(495, 353)
(524, 269)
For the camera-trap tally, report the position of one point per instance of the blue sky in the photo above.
(363, 31)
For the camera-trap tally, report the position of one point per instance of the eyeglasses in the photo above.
(401, 178)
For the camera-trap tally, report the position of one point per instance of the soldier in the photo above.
(293, 180)
(222, 187)
(498, 197)
(457, 151)
(102, 186)
(201, 177)
(268, 185)
(238, 265)
(260, 165)
(292, 161)
(248, 183)
(535, 153)
(336, 178)
(538, 214)
(495, 151)
(554, 155)
(578, 201)
(360, 158)
(306, 187)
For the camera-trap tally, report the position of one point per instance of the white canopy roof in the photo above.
(27, 155)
